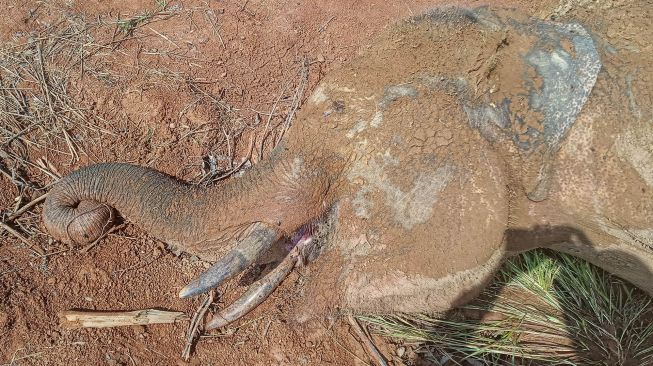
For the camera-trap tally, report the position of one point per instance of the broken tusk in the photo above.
(257, 293)
(244, 254)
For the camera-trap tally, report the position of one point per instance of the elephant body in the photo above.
(430, 167)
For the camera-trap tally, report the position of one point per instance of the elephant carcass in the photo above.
(430, 166)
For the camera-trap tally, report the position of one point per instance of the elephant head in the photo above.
(429, 166)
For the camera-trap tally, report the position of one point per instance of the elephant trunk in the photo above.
(281, 193)
(79, 209)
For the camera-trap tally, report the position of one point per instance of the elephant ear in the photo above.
(531, 89)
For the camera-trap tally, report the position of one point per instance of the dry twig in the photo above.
(365, 339)
(195, 324)
(297, 99)
(26, 207)
(73, 319)
(94, 243)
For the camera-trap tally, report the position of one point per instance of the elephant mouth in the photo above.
(301, 247)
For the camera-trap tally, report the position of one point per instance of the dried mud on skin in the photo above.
(183, 92)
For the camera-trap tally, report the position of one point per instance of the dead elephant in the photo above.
(430, 168)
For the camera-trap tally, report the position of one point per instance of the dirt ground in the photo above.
(181, 89)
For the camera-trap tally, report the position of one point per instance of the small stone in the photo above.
(320, 58)
(400, 351)
(156, 252)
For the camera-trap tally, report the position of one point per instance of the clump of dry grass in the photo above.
(38, 113)
(41, 83)
(46, 106)
(37, 107)
(42, 110)
(128, 25)
(547, 309)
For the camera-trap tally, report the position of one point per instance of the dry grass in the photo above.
(128, 25)
(47, 111)
(38, 113)
(43, 111)
(37, 107)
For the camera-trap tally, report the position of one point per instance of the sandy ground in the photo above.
(192, 81)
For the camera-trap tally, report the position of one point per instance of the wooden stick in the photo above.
(369, 345)
(74, 319)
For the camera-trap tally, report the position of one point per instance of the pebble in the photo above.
(156, 252)
(400, 351)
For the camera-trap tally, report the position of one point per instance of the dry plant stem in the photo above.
(252, 142)
(266, 131)
(365, 339)
(35, 248)
(45, 164)
(195, 323)
(73, 319)
(24, 209)
(296, 101)
(216, 30)
(29, 163)
(8, 176)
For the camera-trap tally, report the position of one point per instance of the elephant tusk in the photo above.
(256, 294)
(245, 253)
